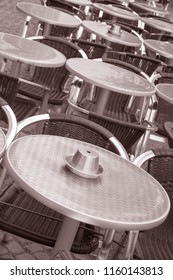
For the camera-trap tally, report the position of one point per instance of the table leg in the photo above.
(102, 99)
(66, 235)
(15, 68)
(105, 249)
(46, 29)
(131, 243)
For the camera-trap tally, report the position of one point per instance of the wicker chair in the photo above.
(157, 243)
(132, 136)
(146, 64)
(68, 7)
(23, 215)
(164, 110)
(53, 79)
(93, 50)
(21, 107)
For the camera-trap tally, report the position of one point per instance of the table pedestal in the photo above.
(66, 236)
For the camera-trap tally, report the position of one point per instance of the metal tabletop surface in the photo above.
(116, 11)
(124, 197)
(163, 48)
(102, 29)
(165, 91)
(111, 77)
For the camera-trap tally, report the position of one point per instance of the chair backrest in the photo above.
(68, 7)
(8, 88)
(77, 128)
(145, 63)
(93, 50)
(55, 78)
(127, 133)
(158, 163)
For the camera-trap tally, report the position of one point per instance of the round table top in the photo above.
(111, 77)
(48, 14)
(116, 11)
(165, 91)
(102, 30)
(130, 200)
(163, 48)
(151, 8)
(159, 24)
(28, 51)
(80, 2)
(2, 143)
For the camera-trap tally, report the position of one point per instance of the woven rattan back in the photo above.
(68, 7)
(8, 88)
(145, 63)
(78, 128)
(93, 50)
(127, 133)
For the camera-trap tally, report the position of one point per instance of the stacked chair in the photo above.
(23, 215)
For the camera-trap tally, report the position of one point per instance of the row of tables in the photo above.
(69, 194)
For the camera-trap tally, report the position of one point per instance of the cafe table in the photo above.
(116, 11)
(48, 15)
(123, 197)
(149, 7)
(158, 24)
(110, 79)
(165, 92)
(21, 50)
(163, 48)
(103, 30)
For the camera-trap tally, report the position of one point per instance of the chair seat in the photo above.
(24, 108)
(32, 220)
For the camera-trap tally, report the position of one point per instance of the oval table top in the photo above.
(110, 77)
(150, 8)
(161, 47)
(159, 24)
(48, 14)
(2, 143)
(102, 30)
(116, 11)
(165, 91)
(28, 51)
(124, 197)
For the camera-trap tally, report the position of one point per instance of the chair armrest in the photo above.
(12, 122)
